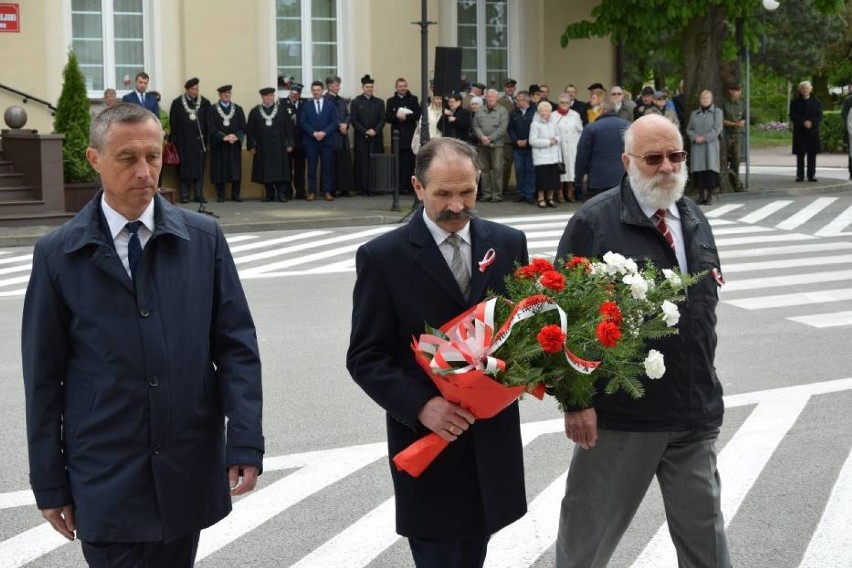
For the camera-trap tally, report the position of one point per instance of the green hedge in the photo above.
(831, 132)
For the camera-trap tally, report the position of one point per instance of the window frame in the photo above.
(482, 68)
(342, 11)
(108, 46)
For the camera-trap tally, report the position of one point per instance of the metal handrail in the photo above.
(27, 97)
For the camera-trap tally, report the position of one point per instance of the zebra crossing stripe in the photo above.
(238, 238)
(278, 241)
(839, 224)
(740, 463)
(765, 211)
(805, 214)
(787, 263)
(740, 230)
(831, 542)
(786, 280)
(30, 545)
(786, 249)
(305, 246)
(776, 238)
(11, 269)
(836, 319)
(722, 210)
(796, 299)
(15, 280)
(22, 258)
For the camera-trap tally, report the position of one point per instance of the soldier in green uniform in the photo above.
(734, 121)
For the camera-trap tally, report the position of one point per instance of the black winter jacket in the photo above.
(689, 395)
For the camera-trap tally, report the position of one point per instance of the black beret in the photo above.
(224, 88)
(267, 90)
(191, 83)
(296, 87)
(509, 83)
(479, 86)
(367, 80)
(594, 86)
(534, 89)
(647, 91)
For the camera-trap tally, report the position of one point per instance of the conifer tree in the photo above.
(73, 119)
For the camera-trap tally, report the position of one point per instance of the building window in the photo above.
(108, 37)
(307, 39)
(483, 29)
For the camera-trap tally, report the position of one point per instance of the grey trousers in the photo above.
(607, 483)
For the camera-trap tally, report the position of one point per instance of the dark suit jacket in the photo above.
(599, 153)
(310, 122)
(127, 388)
(476, 486)
(150, 102)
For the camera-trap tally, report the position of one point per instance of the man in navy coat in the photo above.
(404, 280)
(143, 398)
(318, 120)
(599, 152)
(140, 97)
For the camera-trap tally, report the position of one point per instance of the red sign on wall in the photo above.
(10, 18)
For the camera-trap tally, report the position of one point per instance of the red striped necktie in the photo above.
(664, 228)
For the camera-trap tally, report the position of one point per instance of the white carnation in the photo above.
(672, 277)
(671, 314)
(655, 366)
(631, 266)
(638, 285)
(615, 263)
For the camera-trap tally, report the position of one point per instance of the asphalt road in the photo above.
(325, 499)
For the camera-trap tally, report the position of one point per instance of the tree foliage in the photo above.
(73, 119)
(692, 33)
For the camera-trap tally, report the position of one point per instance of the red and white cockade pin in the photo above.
(487, 260)
(717, 276)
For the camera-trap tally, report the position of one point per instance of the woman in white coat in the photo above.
(569, 126)
(544, 140)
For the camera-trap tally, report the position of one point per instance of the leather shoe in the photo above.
(283, 199)
(813, 179)
(220, 200)
(310, 197)
(238, 199)
(329, 197)
(520, 198)
(800, 179)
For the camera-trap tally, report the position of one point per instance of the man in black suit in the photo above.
(576, 104)
(318, 120)
(402, 112)
(408, 277)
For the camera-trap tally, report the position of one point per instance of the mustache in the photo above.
(447, 215)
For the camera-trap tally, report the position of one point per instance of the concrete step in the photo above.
(11, 179)
(50, 218)
(21, 207)
(17, 193)
(7, 167)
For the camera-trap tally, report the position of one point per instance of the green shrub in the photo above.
(72, 120)
(831, 132)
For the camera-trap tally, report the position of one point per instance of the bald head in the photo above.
(649, 128)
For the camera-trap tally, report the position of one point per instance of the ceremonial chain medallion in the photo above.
(226, 118)
(269, 117)
(190, 111)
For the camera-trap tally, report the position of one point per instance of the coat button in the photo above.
(154, 380)
(156, 449)
(144, 312)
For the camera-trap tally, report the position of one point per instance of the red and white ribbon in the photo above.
(487, 260)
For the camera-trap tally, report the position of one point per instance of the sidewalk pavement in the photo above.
(253, 215)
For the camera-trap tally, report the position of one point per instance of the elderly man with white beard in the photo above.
(622, 443)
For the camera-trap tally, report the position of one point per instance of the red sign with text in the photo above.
(10, 18)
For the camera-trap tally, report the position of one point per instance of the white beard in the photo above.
(651, 189)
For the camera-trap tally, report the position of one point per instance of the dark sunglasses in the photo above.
(675, 157)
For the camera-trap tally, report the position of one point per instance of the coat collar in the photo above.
(432, 261)
(86, 228)
(632, 214)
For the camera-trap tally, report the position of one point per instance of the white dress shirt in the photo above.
(120, 234)
(672, 222)
(440, 236)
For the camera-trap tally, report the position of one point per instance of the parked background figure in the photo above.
(520, 122)
(292, 104)
(342, 160)
(569, 127)
(599, 153)
(226, 124)
(704, 130)
(188, 121)
(544, 140)
(806, 116)
(270, 139)
(367, 114)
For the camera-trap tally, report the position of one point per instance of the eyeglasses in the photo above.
(675, 157)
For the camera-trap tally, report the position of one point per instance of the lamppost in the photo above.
(769, 6)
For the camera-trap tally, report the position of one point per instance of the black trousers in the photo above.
(235, 190)
(451, 553)
(297, 171)
(178, 553)
(800, 165)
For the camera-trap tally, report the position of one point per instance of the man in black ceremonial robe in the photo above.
(292, 103)
(270, 139)
(342, 167)
(367, 114)
(226, 123)
(188, 120)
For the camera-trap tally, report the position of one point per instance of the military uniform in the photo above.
(733, 111)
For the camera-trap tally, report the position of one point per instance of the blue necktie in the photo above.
(134, 247)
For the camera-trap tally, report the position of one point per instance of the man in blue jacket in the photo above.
(519, 133)
(140, 97)
(599, 152)
(143, 398)
(319, 121)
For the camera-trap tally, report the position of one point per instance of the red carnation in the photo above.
(610, 312)
(541, 265)
(525, 272)
(553, 280)
(579, 261)
(551, 338)
(608, 333)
